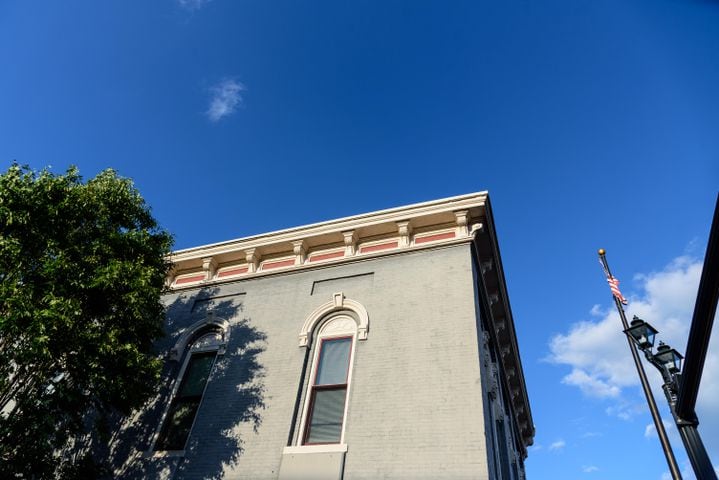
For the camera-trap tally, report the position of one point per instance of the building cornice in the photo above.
(501, 325)
(417, 226)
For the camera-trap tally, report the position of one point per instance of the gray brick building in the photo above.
(379, 346)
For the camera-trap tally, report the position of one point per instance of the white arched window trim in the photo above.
(211, 320)
(338, 303)
(186, 345)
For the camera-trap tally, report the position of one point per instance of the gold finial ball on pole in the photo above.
(602, 251)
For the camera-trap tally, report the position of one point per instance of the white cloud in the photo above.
(192, 5)
(650, 431)
(600, 361)
(558, 445)
(590, 468)
(590, 385)
(226, 97)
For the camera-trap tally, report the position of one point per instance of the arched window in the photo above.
(202, 345)
(327, 393)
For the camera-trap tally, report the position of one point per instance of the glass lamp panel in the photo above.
(642, 333)
(333, 362)
(327, 415)
(674, 363)
(670, 358)
(196, 375)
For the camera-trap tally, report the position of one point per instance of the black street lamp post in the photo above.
(669, 362)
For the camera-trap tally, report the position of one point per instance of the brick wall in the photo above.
(415, 402)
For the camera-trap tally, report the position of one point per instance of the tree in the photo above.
(82, 268)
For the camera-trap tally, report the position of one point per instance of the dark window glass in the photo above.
(327, 401)
(183, 409)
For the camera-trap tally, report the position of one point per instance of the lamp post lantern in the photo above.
(642, 333)
(670, 359)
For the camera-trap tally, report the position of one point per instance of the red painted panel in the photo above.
(281, 263)
(381, 246)
(326, 256)
(232, 271)
(432, 238)
(194, 278)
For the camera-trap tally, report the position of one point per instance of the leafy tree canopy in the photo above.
(82, 268)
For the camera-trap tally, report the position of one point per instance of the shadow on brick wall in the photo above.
(231, 407)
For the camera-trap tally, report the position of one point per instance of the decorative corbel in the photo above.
(405, 231)
(209, 266)
(299, 248)
(493, 298)
(350, 242)
(477, 227)
(462, 216)
(486, 266)
(252, 255)
(171, 275)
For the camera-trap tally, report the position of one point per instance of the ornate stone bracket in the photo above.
(209, 266)
(253, 259)
(486, 266)
(299, 248)
(462, 216)
(350, 239)
(405, 231)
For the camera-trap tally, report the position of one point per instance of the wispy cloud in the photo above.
(226, 97)
(590, 468)
(556, 446)
(193, 5)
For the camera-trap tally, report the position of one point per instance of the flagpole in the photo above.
(663, 439)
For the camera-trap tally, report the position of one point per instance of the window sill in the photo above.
(329, 448)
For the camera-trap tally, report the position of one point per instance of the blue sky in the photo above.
(592, 124)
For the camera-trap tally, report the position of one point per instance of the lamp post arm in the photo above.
(658, 424)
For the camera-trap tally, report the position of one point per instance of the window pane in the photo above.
(177, 425)
(198, 370)
(208, 340)
(326, 416)
(334, 360)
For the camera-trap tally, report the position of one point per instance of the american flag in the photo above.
(613, 285)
